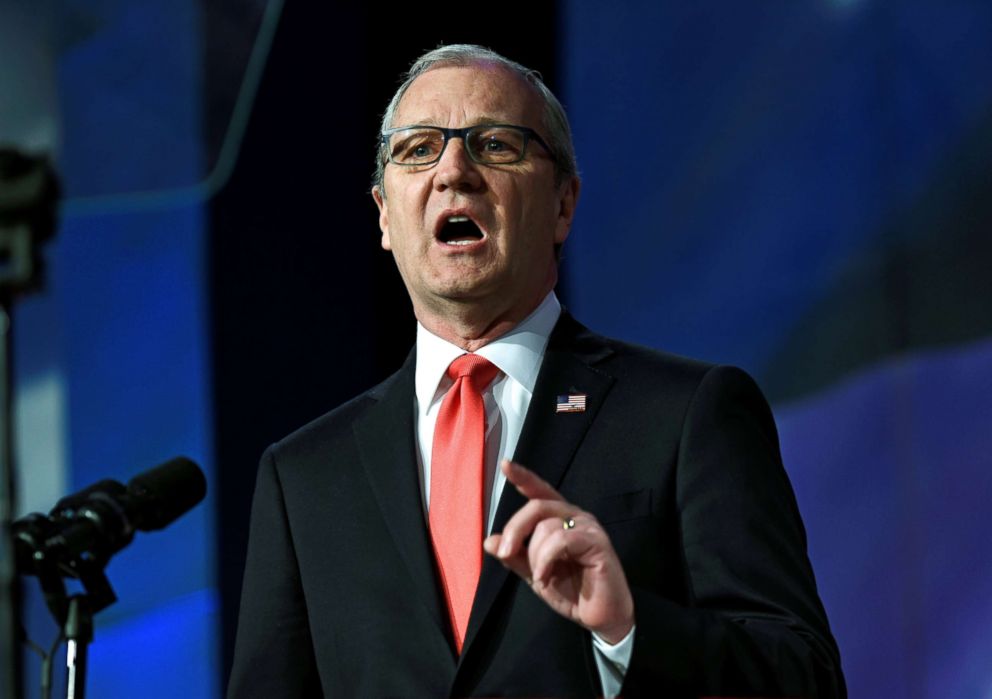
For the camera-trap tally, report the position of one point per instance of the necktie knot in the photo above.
(479, 370)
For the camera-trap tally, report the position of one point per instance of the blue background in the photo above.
(802, 189)
(799, 188)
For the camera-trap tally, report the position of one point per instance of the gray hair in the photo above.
(559, 134)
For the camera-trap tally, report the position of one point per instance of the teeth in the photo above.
(457, 219)
(461, 242)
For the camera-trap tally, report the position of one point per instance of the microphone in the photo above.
(101, 519)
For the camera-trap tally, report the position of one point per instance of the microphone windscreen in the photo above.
(161, 495)
(67, 506)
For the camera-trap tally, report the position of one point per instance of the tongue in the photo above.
(460, 232)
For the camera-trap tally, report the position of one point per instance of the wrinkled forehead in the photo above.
(465, 95)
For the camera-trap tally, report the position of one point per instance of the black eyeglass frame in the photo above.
(525, 131)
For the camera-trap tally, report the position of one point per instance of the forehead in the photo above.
(465, 95)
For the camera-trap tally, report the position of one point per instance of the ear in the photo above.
(567, 200)
(380, 201)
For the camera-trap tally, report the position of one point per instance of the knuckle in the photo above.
(547, 526)
(591, 517)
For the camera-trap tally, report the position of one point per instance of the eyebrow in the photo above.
(484, 121)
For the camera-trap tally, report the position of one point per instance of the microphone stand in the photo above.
(79, 538)
(28, 199)
(74, 613)
(78, 634)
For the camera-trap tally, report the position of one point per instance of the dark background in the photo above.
(306, 303)
(801, 189)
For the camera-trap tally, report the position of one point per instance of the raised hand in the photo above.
(565, 556)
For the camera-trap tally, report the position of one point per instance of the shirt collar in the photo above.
(518, 353)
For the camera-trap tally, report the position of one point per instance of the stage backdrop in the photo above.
(112, 358)
(803, 189)
(800, 188)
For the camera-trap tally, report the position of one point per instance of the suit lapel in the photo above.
(548, 440)
(391, 466)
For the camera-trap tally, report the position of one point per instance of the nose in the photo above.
(456, 170)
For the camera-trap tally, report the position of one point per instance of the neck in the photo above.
(470, 327)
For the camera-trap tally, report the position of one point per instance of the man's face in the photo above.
(501, 260)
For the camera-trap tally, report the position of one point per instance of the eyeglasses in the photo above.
(487, 144)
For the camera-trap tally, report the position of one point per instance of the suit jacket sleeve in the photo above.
(754, 624)
(273, 651)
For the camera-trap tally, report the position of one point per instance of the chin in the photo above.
(465, 284)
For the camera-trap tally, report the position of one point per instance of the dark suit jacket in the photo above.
(679, 460)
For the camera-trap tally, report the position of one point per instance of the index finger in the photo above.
(530, 485)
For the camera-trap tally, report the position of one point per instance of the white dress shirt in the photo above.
(518, 354)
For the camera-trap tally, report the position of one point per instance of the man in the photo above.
(644, 539)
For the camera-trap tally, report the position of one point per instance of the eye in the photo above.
(498, 145)
(412, 147)
(494, 145)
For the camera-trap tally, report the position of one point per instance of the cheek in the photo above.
(537, 220)
(400, 228)
(406, 242)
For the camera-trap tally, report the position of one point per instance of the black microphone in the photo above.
(100, 520)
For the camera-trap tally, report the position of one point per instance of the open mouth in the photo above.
(460, 230)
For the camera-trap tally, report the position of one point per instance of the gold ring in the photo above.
(568, 523)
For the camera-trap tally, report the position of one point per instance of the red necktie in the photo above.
(457, 468)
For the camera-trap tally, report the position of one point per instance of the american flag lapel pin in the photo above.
(571, 403)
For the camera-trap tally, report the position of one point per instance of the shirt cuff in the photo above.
(612, 661)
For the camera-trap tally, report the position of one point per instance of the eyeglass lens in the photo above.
(485, 144)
